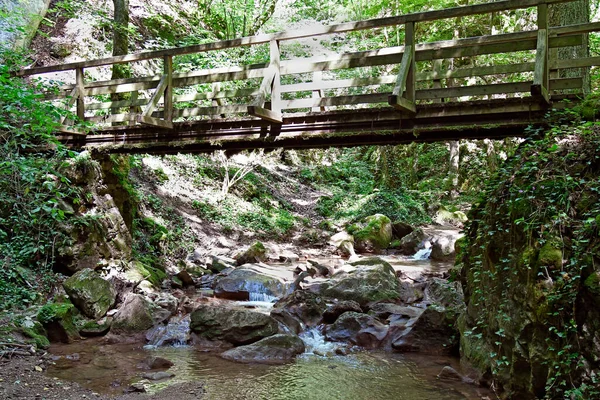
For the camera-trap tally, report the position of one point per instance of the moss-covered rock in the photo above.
(58, 321)
(90, 293)
(550, 254)
(374, 233)
(255, 253)
(275, 349)
(251, 278)
(35, 331)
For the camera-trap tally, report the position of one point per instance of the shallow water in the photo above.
(361, 375)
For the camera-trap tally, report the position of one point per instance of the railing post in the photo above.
(276, 85)
(403, 94)
(317, 93)
(541, 82)
(409, 43)
(437, 81)
(80, 83)
(168, 97)
(270, 83)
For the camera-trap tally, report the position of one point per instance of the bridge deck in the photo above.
(378, 96)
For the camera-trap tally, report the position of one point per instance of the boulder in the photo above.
(334, 311)
(154, 362)
(91, 294)
(344, 242)
(137, 314)
(250, 278)
(442, 248)
(275, 349)
(373, 234)
(413, 242)
(384, 311)
(401, 229)
(299, 310)
(356, 328)
(58, 321)
(411, 292)
(236, 326)
(446, 294)
(219, 263)
(369, 280)
(253, 254)
(167, 301)
(94, 328)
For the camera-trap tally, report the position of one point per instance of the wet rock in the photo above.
(91, 294)
(344, 242)
(136, 314)
(219, 263)
(288, 258)
(255, 253)
(155, 363)
(446, 294)
(334, 311)
(411, 292)
(401, 229)
(370, 280)
(95, 328)
(413, 242)
(449, 373)
(237, 326)
(58, 321)
(157, 376)
(250, 278)
(299, 310)
(442, 248)
(321, 270)
(167, 301)
(373, 234)
(185, 278)
(135, 388)
(275, 349)
(383, 311)
(359, 329)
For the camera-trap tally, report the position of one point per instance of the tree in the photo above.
(229, 19)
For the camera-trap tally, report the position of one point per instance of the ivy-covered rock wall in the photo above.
(531, 267)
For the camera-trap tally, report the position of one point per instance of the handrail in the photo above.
(453, 12)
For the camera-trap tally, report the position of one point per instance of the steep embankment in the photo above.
(531, 271)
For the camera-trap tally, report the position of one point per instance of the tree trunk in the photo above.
(120, 47)
(568, 14)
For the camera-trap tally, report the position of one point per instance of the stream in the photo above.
(110, 368)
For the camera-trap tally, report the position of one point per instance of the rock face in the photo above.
(236, 326)
(250, 278)
(135, 315)
(371, 280)
(533, 286)
(255, 253)
(373, 234)
(401, 229)
(91, 294)
(25, 16)
(299, 310)
(359, 329)
(275, 349)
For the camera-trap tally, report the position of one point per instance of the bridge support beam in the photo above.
(541, 72)
(163, 90)
(271, 84)
(403, 95)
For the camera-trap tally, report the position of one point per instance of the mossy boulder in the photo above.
(275, 349)
(58, 321)
(374, 233)
(250, 278)
(91, 294)
(135, 315)
(255, 253)
(371, 280)
(592, 285)
(35, 331)
(236, 326)
(551, 254)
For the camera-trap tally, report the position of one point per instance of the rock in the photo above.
(383, 311)
(442, 248)
(446, 294)
(237, 326)
(135, 388)
(344, 242)
(371, 280)
(250, 278)
(321, 270)
(58, 321)
(167, 301)
(450, 374)
(433, 332)
(156, 376)
(95, 328)
(413, 242)
(373, 234)
(136, 314)
(275, 349)
(288, 258)
(444, 216)
(411, 292)
(359, 329)
(401, 229)
(255, 253)
(299, 310)
(91, 294)
(334, 311)
(155, 363)
(219, 263)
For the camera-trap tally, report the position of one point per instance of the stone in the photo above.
(219, 263)
(288, 258)
(450, 374)
(370, 280)
(344, 242)
(95, 328)
(91, 294)
(236, 326)
(445, 293)
(413, 242)
(299, 310)
(401, 229)
(411, 292)
(167, 301)
(58, 321)
(250, 278)
(359, 329)
(334, 311)
(442, 248)
(373, 234)
(135, 388)
(157, 376)
(185, 278)
(383, 311)
(275, 349)
(253, 254)
(155, 362)
(135, 315)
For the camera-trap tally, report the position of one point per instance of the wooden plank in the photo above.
(151, 106)
(168, 102)
(402, 104)
(566, 83)
(210, 111)
(71, 130)
(265, 88)
(290, 35)
(577, 63)
(73, 97)
(540, 75)
(275, 64)
(160, 123)
(478, 90)
(117, 104)
(405, 65)
(80, 83)
(317, 89)
(221, 94)
(263, 113)
(336, 101)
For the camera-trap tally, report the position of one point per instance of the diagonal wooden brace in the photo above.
(540, 74)
(396, 99)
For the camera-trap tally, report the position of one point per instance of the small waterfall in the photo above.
(262, 297)
(176, 333)
(422, 254)
(315, 343)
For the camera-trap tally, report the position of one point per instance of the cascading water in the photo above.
(176, 333)
(315, 343)
(422, 254)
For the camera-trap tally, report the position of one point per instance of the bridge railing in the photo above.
(409, 76)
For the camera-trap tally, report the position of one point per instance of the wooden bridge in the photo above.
(385, 95)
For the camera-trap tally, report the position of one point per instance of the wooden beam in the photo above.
(160, 90)
(168, 102)
(402, 104)
(73, 96)
(71, 130)
(80, 83)
(263, 113)
(160, 123)
(317, 89)
(275, 64)
(540, 75)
